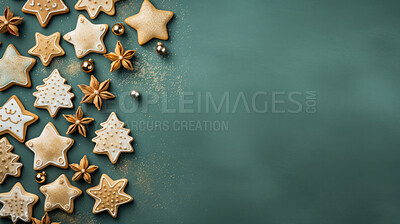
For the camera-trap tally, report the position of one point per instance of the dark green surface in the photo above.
(339, 165)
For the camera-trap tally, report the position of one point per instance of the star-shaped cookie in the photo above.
(17, 204)
(8, 162)
(109, 195)
(45, 9)
(150, 22)
(14, 119)
(113, 139)
(87, 37)
(47, 47)
(54, 94)
(93, 7)
(60, 194)
(14, 69)
(50, 148)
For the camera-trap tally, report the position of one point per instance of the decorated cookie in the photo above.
(47, 47)
(94, 7)
(87, 37)
(113, 139)
(150, 23)
(17, 204)
(14, 69)
(8, 164)
(109, 195)
(14, 119)
(54, 94)
(45, 9)
(96, 92)
(60, 194)
(50, 148)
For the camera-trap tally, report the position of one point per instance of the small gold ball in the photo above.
(40, 177)
(160, 49)
(87, 66)
(118, 29)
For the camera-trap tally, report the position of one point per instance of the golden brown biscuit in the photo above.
(109, 195)
(14, 119)
(45, 9)
(47, 47)
(8, 164)
(150, 23)
(94, 7)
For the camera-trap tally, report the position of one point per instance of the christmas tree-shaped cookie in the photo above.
(54, 94)
(112, 139)
(8, 164)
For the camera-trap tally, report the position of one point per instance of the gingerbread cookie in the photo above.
(60, 194)
(113, 139)
(94, 7)
(54, 94)
(150, 23)
(17, 204)
(14, 119)
(45, 9)
(8, 164)
(87, 37)
(50, 148)
(47, 47)
(109, 195)
(14, 69)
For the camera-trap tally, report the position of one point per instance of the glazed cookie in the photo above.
(113, 139)
(8, 165)
(50, 148)
(94, 7)
(60, 194)
(87, 37)
(14, 69)
(150, 22)
(17, 204)
(47, 47)
(45, 9)
(14, 119)
(54, 94)
(109, 195)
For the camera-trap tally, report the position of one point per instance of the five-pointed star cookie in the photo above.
(14, 69)
(47, 47)
(54, 94)
(50, 148)
(17, 204)
(109, 195)
(8, 164)
(45, 9)
(150, 23)
(87, 37)
(14, 119)
(93, 7)
(113, 139)
(60, 194)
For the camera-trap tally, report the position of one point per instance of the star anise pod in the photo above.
(9, 23)
(120, 58)
(45, 220)
(96, 92)
(83, 169)
(78, 122)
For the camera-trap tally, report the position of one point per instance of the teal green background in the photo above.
(338, 165)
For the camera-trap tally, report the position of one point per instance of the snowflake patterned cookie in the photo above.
(14, 119)
(47, 47)
(50, 148)
(109, 195)
(8, 162)
(94, 7)
(45, 9)
(113, 139)
(17, 204)
(54, 94)
(87, 37)
(14, 69)
(60, 194)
